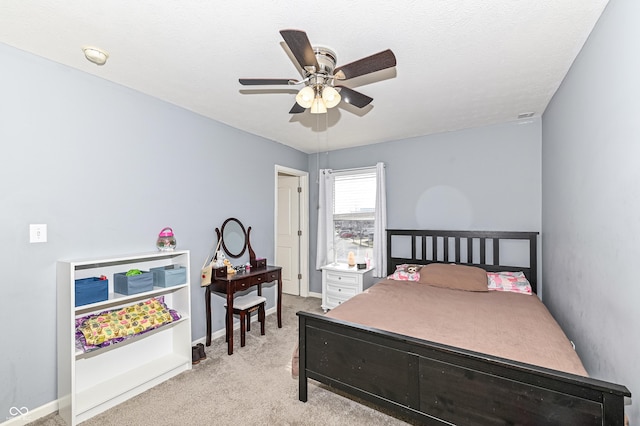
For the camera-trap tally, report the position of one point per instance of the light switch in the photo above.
(38, 233)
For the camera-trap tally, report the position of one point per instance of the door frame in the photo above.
(303, 219)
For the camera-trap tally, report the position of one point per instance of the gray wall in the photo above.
(485, 178)
(106, 168)
(591, 200)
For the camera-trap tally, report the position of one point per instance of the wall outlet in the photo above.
(38, 233)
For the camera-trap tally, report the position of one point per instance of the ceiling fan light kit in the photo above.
(305, 97)
(330, 96)
(320, 74)
(318, 106)
(318, 98)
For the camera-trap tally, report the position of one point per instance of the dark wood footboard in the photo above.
(438, 384)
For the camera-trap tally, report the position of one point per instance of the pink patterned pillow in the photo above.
(514, 282)
(402, 274)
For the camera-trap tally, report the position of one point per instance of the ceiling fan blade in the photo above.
(297, 109)
(300, 46)
(263, 81)
(376, 62)
(352, 97)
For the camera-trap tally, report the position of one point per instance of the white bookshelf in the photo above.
(90, 383)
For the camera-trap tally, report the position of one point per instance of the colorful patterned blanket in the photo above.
(116, 325)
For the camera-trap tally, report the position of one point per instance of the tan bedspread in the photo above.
(509, 325)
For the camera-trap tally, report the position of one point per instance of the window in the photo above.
(352, 216)
(354, 201)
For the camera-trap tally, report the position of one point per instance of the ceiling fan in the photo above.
(320, 75)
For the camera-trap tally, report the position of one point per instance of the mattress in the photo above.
(508, 325)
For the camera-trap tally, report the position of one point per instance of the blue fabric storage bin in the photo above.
(91, 290)
(167, 276)
(133, 284)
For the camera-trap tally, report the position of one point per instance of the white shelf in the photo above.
(116, 299)
(124, 259)
(82, 354)
(91, 382)
(92, 400)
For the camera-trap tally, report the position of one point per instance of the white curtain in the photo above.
(380, 226)
(325, 250)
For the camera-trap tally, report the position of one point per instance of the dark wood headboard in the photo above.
(475, 248)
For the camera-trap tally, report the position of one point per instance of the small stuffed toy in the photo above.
(411, 269)
(405, 272)
(219, 258)
(230, 269)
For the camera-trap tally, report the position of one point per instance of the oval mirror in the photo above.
(234, 237)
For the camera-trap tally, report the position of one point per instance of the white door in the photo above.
(288, 240)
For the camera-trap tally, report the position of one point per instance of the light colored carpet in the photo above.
(252, 386)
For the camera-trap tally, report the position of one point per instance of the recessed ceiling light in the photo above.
(95, 55)
(526, 115)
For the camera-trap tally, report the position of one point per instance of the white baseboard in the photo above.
(314, 294)
(30, 415)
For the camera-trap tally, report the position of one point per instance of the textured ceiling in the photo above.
(461, 63)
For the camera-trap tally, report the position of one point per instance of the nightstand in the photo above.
(340, 282)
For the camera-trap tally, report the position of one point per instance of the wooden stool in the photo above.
(244, 306)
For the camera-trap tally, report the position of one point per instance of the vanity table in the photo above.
(238, 282)
(234, 241)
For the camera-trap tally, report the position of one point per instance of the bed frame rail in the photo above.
(437, 384)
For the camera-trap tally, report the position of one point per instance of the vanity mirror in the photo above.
(235, 239)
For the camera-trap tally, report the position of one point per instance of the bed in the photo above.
(436, 379)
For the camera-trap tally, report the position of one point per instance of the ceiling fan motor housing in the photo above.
(326, 58)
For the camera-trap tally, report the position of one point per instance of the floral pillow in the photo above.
(406, 272)
(515, 282)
